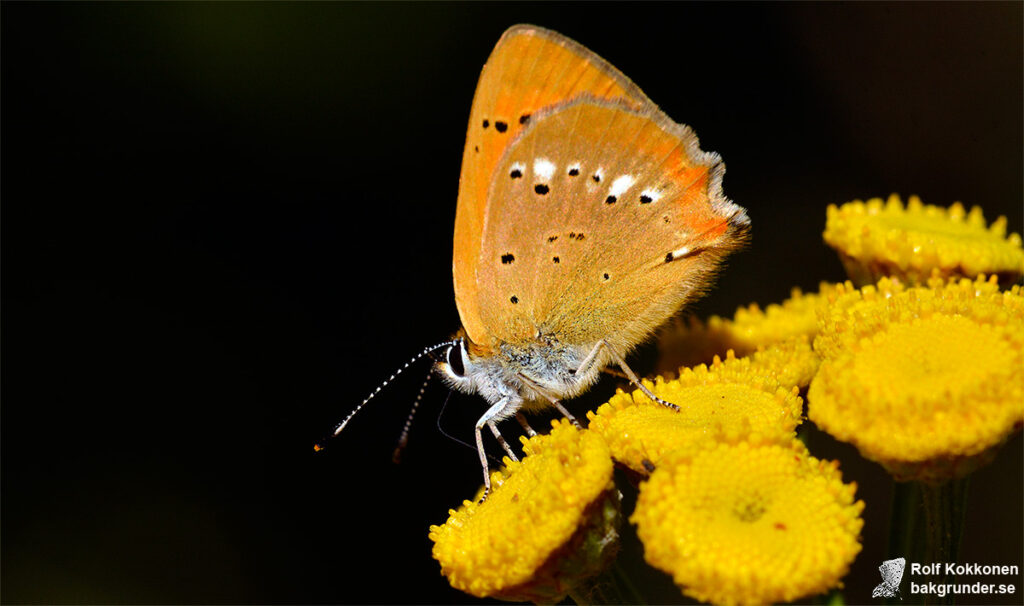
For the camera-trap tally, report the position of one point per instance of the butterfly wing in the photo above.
(530, 68)
(602, 220)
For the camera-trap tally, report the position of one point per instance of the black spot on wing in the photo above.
(500, 127)
(507, 258)
(541, 189)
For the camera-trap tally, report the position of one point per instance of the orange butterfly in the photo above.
(586, 218)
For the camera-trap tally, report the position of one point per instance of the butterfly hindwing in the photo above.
(601, 221)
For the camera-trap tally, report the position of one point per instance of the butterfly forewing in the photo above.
(601, 221)
(530, 69)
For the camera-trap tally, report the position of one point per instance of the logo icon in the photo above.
(892, 574)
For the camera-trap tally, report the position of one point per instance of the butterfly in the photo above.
(586, 218)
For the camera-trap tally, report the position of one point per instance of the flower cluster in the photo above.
(918, 361)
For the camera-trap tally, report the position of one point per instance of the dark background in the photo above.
(225, 224)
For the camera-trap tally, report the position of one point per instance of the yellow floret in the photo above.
(782, 326)
(876, 239)
(549, 523)
(925, 381)
(729, 399)
(749, 523)
(792, 362)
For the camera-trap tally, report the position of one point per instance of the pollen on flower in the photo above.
(883, 238)
(749, 523)
(926, 381)
(751, 328)
(729, 399)
(793, 362)
(559, 500)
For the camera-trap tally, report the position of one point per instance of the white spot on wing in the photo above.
(620, 185)
(680, 252)
(544, 168)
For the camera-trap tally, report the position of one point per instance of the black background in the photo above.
(225, 224)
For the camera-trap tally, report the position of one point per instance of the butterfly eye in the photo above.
(455, 361)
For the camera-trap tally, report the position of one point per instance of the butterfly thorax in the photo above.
(524, 375)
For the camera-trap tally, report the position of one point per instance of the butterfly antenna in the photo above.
(403, 440)
(340, 426)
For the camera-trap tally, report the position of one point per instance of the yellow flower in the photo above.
(847, 307)
(550, 522)
(778, 322)
(785, 326)
(749, 523)
(729, 399)
(792, 362)
(877, 238)
(925, 381)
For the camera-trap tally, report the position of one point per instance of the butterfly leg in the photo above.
(633, 378)
(526, 426)
(554, 401)
(501, 440)
(565, 412)
(615, 373)
(487, 419)
(593, 356)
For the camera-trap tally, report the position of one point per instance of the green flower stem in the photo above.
(612, 586)
(925, 526)
(944, 508)
(903, 520)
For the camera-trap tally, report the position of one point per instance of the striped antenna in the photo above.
(340, 426)
(396, 456)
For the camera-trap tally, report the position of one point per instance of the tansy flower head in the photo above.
(792, 362)
(787, 325)
(777, 322)
(877, 238)
(925, 381)
(550, 523)
(749, 523)
(729, 399)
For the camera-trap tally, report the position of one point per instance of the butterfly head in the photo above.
(455, 366)
(472, 370)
